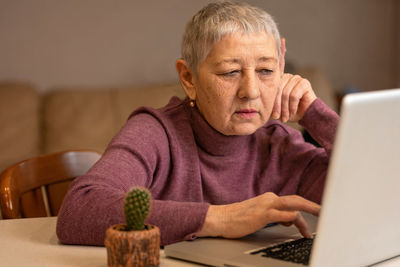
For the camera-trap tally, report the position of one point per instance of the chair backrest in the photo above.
(36, 187)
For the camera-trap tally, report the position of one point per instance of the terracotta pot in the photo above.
(133, 248)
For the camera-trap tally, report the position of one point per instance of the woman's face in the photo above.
(236, 85)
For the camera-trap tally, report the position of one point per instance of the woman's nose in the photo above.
(248, 86)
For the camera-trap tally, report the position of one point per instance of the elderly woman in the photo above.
(220, 162)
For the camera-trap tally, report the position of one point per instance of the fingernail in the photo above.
(275, 115)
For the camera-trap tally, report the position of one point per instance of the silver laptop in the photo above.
(359, 224)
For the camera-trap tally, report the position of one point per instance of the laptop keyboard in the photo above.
(297, 251)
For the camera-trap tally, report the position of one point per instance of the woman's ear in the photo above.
(187, 78)
(282, 58)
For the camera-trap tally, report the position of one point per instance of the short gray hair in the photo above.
(218, 19)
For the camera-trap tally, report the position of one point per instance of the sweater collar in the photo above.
(212, 141)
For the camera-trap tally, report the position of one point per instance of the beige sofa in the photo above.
(84, 118)
(68, 118)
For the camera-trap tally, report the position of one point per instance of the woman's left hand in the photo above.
(294, 97)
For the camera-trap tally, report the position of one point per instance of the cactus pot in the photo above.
(133, 248)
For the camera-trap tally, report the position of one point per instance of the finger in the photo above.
(302, 95)
(292, 217)
(302, 225)
(286, 94)
(306, 96)
(282, 100)
(295, 97)
(282, 216)
(283, 53)
(297, 203)
(276, 111)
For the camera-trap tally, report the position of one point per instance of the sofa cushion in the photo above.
(77, 119)
(20, 122)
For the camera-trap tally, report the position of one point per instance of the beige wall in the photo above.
(107, 43)
(352, 41)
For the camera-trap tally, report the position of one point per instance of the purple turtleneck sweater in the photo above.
(187, 165)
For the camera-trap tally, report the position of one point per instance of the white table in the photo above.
(33, 242)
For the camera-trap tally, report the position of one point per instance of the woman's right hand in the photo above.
(243, 218)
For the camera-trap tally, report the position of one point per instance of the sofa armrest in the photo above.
(19, 122)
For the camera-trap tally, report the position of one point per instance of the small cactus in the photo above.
(137, 207)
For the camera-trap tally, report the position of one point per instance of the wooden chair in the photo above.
(36, 187)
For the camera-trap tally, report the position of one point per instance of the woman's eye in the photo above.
(265, 71)
(230, 73)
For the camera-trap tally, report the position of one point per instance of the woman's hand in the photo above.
(294, 97)
(243, 218)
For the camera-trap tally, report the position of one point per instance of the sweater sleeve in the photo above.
(135, 157)
(321, 122)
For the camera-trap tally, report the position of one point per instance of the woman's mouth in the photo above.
(246, 113)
